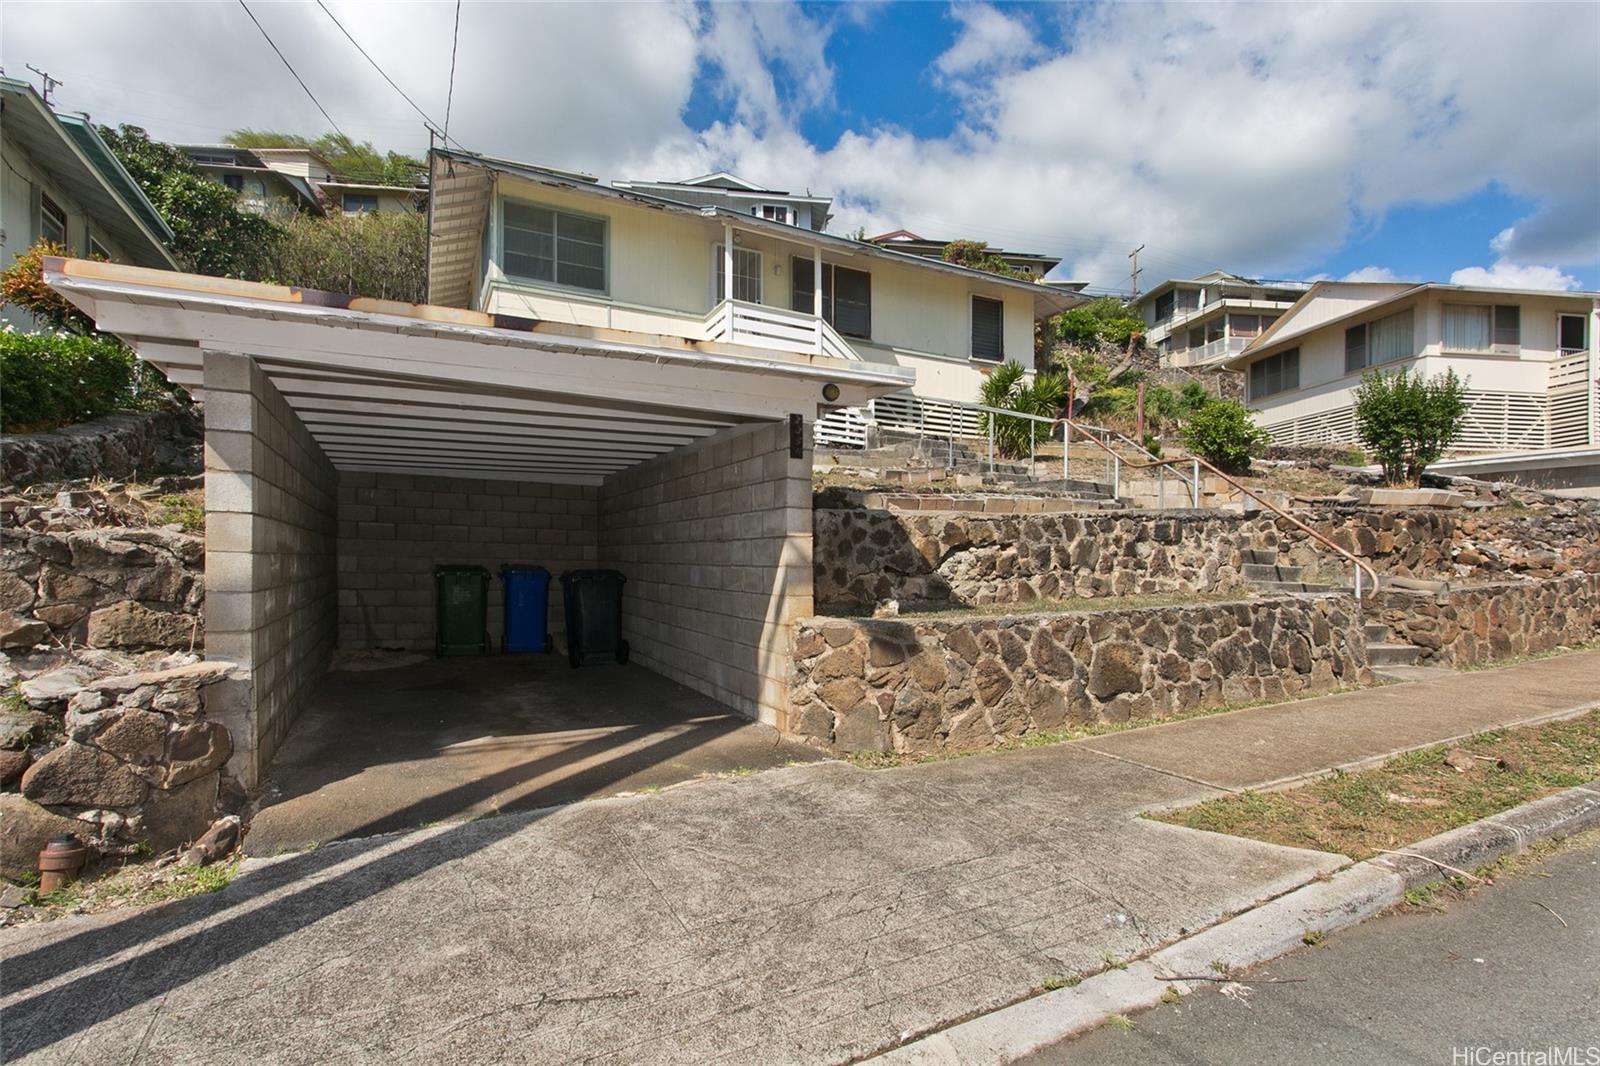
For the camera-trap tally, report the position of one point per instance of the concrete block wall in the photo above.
(271, 583)
(395, 528)
(716, 544)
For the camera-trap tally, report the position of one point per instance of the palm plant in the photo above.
(1007, 388)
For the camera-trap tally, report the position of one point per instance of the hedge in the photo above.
(55, 379)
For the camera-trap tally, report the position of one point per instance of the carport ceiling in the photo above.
(408, 388)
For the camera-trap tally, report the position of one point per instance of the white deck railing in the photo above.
(760, 326)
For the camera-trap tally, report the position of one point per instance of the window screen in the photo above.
(1355, 348)
(553, 246)
(988, 343)
(1390, 338)
(846, 296)
(1276, 373)
(1508, 325)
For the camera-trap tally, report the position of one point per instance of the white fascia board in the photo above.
(465, 354)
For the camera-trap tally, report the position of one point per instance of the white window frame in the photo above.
(48, 208)
(972, 317)
(96, 248)
(539, 283)
(1491, 346)
(345, 198)
(718, 262)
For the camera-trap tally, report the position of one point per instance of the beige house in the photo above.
(532, 242)
(1529, 360)
(60, 182)
(1203, 321)
(276, 180)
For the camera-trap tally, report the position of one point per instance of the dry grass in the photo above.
(1413, 796)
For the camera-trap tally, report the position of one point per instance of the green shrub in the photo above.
(1222, 433)
(54, 379)
(1407, 420)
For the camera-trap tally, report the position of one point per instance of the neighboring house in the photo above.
(297, 179)
(1027, 262)
(263, 187)
(1205, 320)
(517, 239)
(735, 194)
(357, 198)
(61, 182)
(1528, 358)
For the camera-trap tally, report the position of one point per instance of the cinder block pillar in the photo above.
(271, 525)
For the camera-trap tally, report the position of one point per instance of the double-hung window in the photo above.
(555, 247)
(1481, 328)
(988, 331)
(1275, 373)
(846, 296)
(1383, 341)
(746, 275)
(52, 221)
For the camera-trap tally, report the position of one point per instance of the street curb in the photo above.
(1274, 928)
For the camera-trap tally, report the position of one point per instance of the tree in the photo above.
(351, 160)
(1407, 420)
(1007, 388)
(381, 254)
(1222, 433)
(1106, 321)
(211, 235)
(977, 256)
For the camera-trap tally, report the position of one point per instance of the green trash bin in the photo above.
(461, 596)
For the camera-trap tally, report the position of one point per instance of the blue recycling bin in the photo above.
(527, 592)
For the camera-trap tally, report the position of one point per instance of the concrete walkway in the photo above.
(809, 914)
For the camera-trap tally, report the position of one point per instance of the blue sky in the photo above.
(1299, 140)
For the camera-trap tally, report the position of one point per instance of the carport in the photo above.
(352, 444)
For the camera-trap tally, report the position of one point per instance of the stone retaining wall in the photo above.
(118, 446)
(865, 555)
(104, 588)
(1481, 623)
(919, 686)
(120, 760)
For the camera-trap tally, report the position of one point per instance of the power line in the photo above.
(425, 116)
(291, 69)
(450, 96)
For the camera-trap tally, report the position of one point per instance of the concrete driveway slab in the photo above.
(377, 751)
(1263, 746)
(809, 914)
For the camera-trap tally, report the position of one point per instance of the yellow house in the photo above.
(536, 243)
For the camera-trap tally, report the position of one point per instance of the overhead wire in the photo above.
(291, 69)
(428, 119)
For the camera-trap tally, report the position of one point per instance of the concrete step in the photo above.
(1378, 633)
(1261, 556)
(1272, 572)
(1411, 673)
(1291, 586)
(1393, 654)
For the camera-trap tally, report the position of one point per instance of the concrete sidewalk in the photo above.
(809, 914)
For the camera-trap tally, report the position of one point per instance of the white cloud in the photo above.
(989, 39)
(1374, 273)
(1255, 138)
(1507, 275)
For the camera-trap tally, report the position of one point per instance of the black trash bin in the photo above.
(592, 600)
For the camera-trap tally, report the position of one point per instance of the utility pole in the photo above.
(1134, 255)
(47, 84)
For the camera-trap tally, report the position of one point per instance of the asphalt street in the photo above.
(1512, 967)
